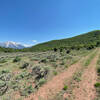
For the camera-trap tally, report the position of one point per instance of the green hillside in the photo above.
(8, 50)
(88, 40)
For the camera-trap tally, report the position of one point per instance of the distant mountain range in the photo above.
(11, 44)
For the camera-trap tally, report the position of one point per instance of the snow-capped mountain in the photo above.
(11, 44)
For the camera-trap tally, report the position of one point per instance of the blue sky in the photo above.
(35, 21)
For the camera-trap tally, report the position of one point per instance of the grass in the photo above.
(90, 59)
(17, 59)
(55, 73)
(97, 84)
(19, 66)
(65, 87)
(41, 82)
(77, 76)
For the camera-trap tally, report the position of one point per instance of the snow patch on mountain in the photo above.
(11, 44)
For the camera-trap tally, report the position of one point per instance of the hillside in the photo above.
(87, 40)
(2, 49)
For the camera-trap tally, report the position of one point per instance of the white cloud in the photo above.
(35, 41)
(28, 45)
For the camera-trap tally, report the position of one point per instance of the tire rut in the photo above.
(85, 89)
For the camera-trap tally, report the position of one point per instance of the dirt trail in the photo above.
(54, 86)
(86, 90)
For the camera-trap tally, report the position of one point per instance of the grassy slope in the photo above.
(90, 39)
(8, 49)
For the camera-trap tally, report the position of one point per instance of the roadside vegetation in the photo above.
(22, 74)
(97, 84)
(88, 61)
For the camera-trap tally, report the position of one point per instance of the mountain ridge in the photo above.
(11, 44)
(85, 40)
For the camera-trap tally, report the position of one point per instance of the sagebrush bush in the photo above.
(2, 83)
(17, 59)
(43, 60)
(28, 90)
(24, 65)
(3, 61)
(42, 81)
(4, 71)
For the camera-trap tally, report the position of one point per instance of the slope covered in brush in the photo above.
(87, 40)
(2, 49)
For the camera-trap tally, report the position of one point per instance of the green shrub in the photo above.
(2, 61)
(22, 75)
(54, 65)
(62, 63)
(98, 62)
(68, 51)
(40, 72)
(43, 60)
(65, 87)
(41, 82)
(28, 90)
(55, 49)
(4, 71)
(98, 70)
(77, 76)
(55, 73)
(3, 87)
(17, 59)
(24, 65)
(66, 66)
(53, 58)
(14, 85)
(97, 85)
(90, 59)
(2, 83)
